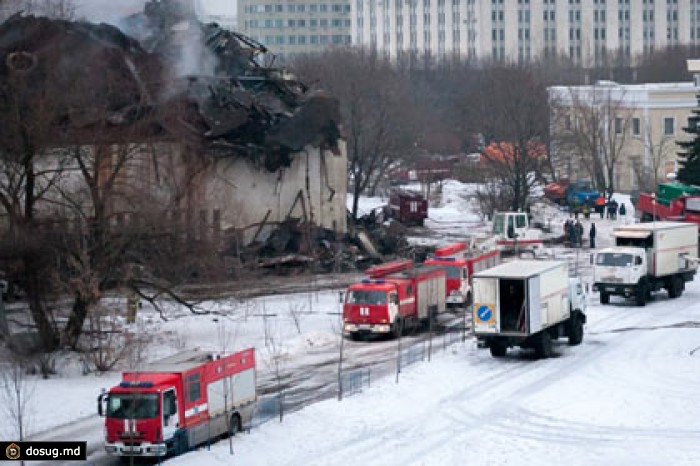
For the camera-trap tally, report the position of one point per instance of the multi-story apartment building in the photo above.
(586, 31)
(643, 121)
(296, 27)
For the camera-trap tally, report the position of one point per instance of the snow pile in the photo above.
(365, 204)
(456, 204)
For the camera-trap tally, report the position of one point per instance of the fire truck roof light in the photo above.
(379, 282)
(144, 384)
(366, 280)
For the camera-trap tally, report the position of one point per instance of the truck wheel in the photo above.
(234, 425)
(575, 330)
(181, 446)
(543, 346)
(681, 286)
(498, 349)
(640, 295)
(675, 288)
(604, 297)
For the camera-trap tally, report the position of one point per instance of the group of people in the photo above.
(573, 234)
(609, 208)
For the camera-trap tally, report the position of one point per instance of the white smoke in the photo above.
(110, 12)
(194, 58)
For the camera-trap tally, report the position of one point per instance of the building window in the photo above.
(636, 127)
(669, 129)
(618, 125)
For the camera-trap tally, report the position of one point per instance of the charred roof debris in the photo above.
(234, 106)
(163, 75)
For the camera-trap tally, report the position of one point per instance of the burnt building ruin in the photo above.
(245, 146)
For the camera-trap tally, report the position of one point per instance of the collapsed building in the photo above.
(255, 148)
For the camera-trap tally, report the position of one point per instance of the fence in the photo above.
(353, 382)
(413, 354)
(268, 408)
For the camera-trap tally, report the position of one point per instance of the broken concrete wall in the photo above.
(251, 199)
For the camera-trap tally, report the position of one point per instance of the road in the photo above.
(312, 379)
(626, 395)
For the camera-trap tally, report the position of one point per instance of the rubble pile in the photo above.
(245, 108)
(163, 75)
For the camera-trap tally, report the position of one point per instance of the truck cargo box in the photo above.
(520, 297)
(668, 245)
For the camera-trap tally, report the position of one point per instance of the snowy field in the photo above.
(625, 396)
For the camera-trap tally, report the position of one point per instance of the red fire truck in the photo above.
(461, 262)
(408, 207)
(396, 296)
(179, 402)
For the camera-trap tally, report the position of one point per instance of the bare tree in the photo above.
(591, 129)
(510, 106)
(16, 391)
(660, 149)
(379, 119)
(296, 311)
(275, 360)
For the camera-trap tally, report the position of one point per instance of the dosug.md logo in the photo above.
(12, 451)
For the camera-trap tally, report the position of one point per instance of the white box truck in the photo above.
(647, 257)
(527, 303)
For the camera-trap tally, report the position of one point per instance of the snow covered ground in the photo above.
(625, 396)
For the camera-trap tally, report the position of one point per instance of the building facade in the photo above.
(643, 122)
(289, 28)
(585, 31)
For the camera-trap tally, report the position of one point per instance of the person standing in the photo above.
(623, 210)
(591, 236)
(572, 234)
(579, 233)
(600, 206)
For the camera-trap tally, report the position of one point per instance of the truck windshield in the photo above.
(453, 271)
(366, 297)
(614, 259)
(132, 405)
(499, 224)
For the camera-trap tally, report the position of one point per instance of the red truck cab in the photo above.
(179, 402)
(460, 263)
(406, 298)
(457, 288)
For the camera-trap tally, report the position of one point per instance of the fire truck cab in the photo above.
(460, 262)
(387, 303)
(179, 402)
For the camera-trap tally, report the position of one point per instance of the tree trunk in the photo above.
(48, 336)
(74, 328)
